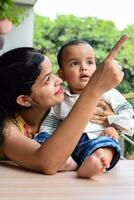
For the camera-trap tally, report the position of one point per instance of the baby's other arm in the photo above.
(122, 119)
(111, 132)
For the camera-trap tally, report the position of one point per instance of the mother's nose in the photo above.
(57, 79)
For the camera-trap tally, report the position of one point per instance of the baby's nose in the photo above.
(83, 67)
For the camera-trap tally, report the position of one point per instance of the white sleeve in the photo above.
(124, 122)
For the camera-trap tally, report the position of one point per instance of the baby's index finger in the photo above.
(114, 51)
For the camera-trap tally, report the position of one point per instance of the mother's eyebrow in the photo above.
(46, 75)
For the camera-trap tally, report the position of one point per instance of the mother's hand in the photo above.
(103, 110)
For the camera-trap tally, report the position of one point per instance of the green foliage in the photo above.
(129, 149)
(9, 10)
(50, 35)
(4, 6)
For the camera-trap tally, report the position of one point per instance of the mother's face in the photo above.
(47, 90)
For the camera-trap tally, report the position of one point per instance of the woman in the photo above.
(28, 89)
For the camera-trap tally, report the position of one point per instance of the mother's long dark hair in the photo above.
(19, 69)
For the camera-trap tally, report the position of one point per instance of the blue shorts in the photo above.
(41, 137)
(86, 147)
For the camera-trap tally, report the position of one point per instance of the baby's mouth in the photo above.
(84, 77)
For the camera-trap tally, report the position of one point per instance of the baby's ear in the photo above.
(60, 73)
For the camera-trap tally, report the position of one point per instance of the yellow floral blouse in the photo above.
(23, 127)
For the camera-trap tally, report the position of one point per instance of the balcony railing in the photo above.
(123, 138)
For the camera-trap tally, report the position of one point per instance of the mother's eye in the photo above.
(48, 79)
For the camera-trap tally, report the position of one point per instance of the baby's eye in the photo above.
(74, 63)
(90, 62)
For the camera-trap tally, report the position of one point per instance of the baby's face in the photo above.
(78, 65)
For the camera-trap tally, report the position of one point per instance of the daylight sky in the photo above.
(119, 11)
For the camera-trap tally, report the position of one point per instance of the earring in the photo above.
(27, 104)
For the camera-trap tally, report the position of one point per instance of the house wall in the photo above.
(21, 35)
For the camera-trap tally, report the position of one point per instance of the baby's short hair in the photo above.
(70, 43)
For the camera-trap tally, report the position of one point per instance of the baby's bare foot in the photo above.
(95, 164)
(99, 153)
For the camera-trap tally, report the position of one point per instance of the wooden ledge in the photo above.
(19, 184)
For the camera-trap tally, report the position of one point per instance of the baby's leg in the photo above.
(70, 165)
(96, 163)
